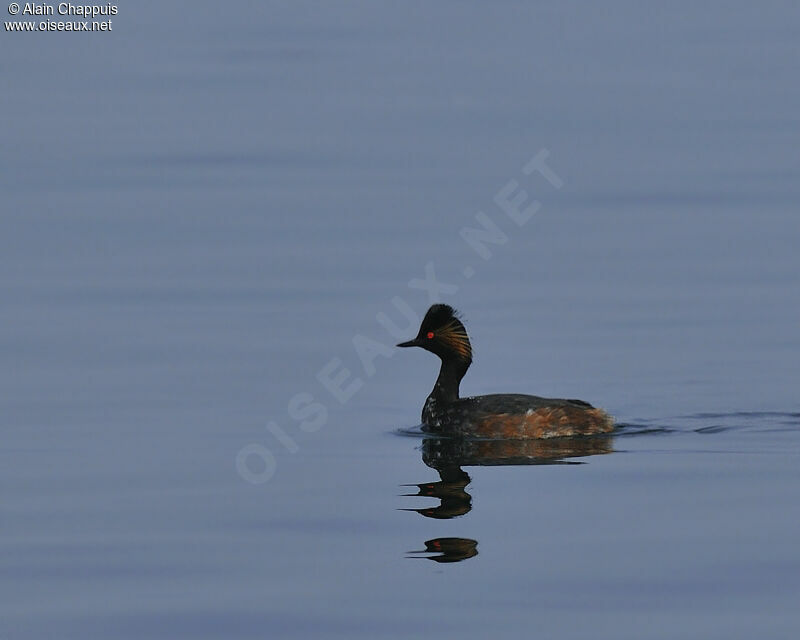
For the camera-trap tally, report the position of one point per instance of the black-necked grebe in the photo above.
(506, 415)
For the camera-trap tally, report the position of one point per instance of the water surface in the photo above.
(202, 209)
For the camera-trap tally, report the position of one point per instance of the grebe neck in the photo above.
(445, 390)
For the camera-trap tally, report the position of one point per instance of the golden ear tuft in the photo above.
(455, 336)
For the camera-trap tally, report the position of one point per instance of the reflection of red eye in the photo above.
(430, 335)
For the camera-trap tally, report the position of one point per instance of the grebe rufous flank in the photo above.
(505, 415)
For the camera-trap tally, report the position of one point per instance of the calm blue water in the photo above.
(203, 208)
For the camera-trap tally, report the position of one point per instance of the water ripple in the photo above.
(706, 423)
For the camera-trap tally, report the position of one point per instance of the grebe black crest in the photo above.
(502, 415)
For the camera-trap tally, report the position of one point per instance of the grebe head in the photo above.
(442, 333)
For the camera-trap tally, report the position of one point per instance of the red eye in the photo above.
(430, 335)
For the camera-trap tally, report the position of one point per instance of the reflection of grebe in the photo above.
(450, 489)
(443, 454)
(492, 416)
(448, 549)
(448, 455)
